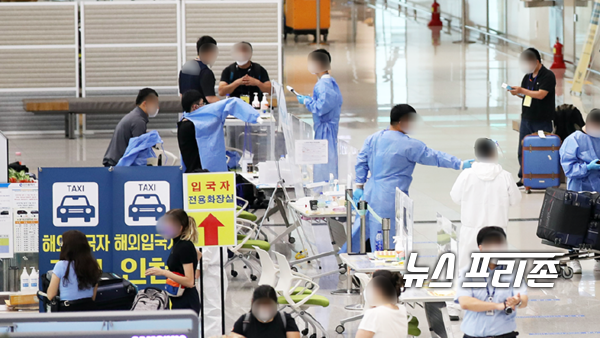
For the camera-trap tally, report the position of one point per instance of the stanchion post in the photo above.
(385, 227)
(349, 221)
(362, 207)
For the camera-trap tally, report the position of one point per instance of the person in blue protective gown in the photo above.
(391, 155)
(579, 157)
(325, 106)
(209, 121)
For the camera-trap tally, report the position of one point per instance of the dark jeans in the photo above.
(530, 127)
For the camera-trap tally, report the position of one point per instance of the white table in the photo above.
(337, 231)
(433, 307)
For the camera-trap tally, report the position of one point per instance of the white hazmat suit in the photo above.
(485, 192)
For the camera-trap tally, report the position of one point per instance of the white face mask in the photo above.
(313, 68)
(153, 114)
(241, 63)
(494, 261)
(263, 313)
(593, 132)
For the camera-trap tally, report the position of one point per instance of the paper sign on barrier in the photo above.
(210, 199)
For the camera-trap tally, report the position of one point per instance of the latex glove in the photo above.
(357, 195)
(467, 164)
(301, 98)
(259, 120)
(593, 165)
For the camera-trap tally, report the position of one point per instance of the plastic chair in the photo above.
(244, 250)
(270, 271)
(299, 302)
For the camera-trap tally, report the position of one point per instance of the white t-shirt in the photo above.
(385, 322)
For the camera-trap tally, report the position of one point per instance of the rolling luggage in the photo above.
(114, 292)
(541, 161)
(565, 216)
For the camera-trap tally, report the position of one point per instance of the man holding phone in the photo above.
(537, 92)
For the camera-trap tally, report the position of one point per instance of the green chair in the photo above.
(299, 300)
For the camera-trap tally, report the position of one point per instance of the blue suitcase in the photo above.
(541, 162)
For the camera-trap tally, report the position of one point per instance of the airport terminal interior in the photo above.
(449, 59)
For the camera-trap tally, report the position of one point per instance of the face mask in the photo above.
(409, 128)
(494, 261)
(241, 63)
(150, 114)
(264, 314)
(593, 132)
(313, 68)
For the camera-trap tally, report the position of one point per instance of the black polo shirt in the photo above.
(540, 110)
(234, 72)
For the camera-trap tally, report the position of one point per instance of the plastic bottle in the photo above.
(321, 203)
(255, 102)
(331, 183)
(264, 104)
(227, 96)
(379, 241)
(24, 280)
(33, 280)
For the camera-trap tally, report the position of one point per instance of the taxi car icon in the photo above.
(75, 207)
(146, 205)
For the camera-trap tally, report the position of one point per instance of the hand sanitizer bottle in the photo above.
(255, 102)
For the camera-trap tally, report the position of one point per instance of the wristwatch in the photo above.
(507, 309)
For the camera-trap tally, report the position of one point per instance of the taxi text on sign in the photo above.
(210, 199)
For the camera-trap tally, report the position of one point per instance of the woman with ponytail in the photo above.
(182, 261)
(387, 318)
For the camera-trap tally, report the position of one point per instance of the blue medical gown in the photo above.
(209, 121)
(576, 152)
(390, 156)
(325, 106)
(139, 149)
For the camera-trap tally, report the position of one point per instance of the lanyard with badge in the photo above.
(530, 86)
(490, 298)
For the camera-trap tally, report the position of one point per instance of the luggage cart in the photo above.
(579, 253)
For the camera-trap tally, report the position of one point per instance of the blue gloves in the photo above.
(467, 164)
(301, 98)
(593, 165)
(357, 195)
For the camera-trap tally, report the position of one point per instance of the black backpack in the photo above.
(247, 321)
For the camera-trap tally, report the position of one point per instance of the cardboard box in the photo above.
(22, 299)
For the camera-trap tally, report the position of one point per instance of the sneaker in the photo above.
(575, 265)
(520, 184)
(597, 266)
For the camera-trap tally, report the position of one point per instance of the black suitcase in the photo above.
(565, 216)
(114, 293)
(592, 240)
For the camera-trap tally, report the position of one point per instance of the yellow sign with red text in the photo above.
(211, 200)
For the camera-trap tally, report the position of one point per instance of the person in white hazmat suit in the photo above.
(484, 192)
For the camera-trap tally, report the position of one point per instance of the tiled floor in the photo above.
(381, 59)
